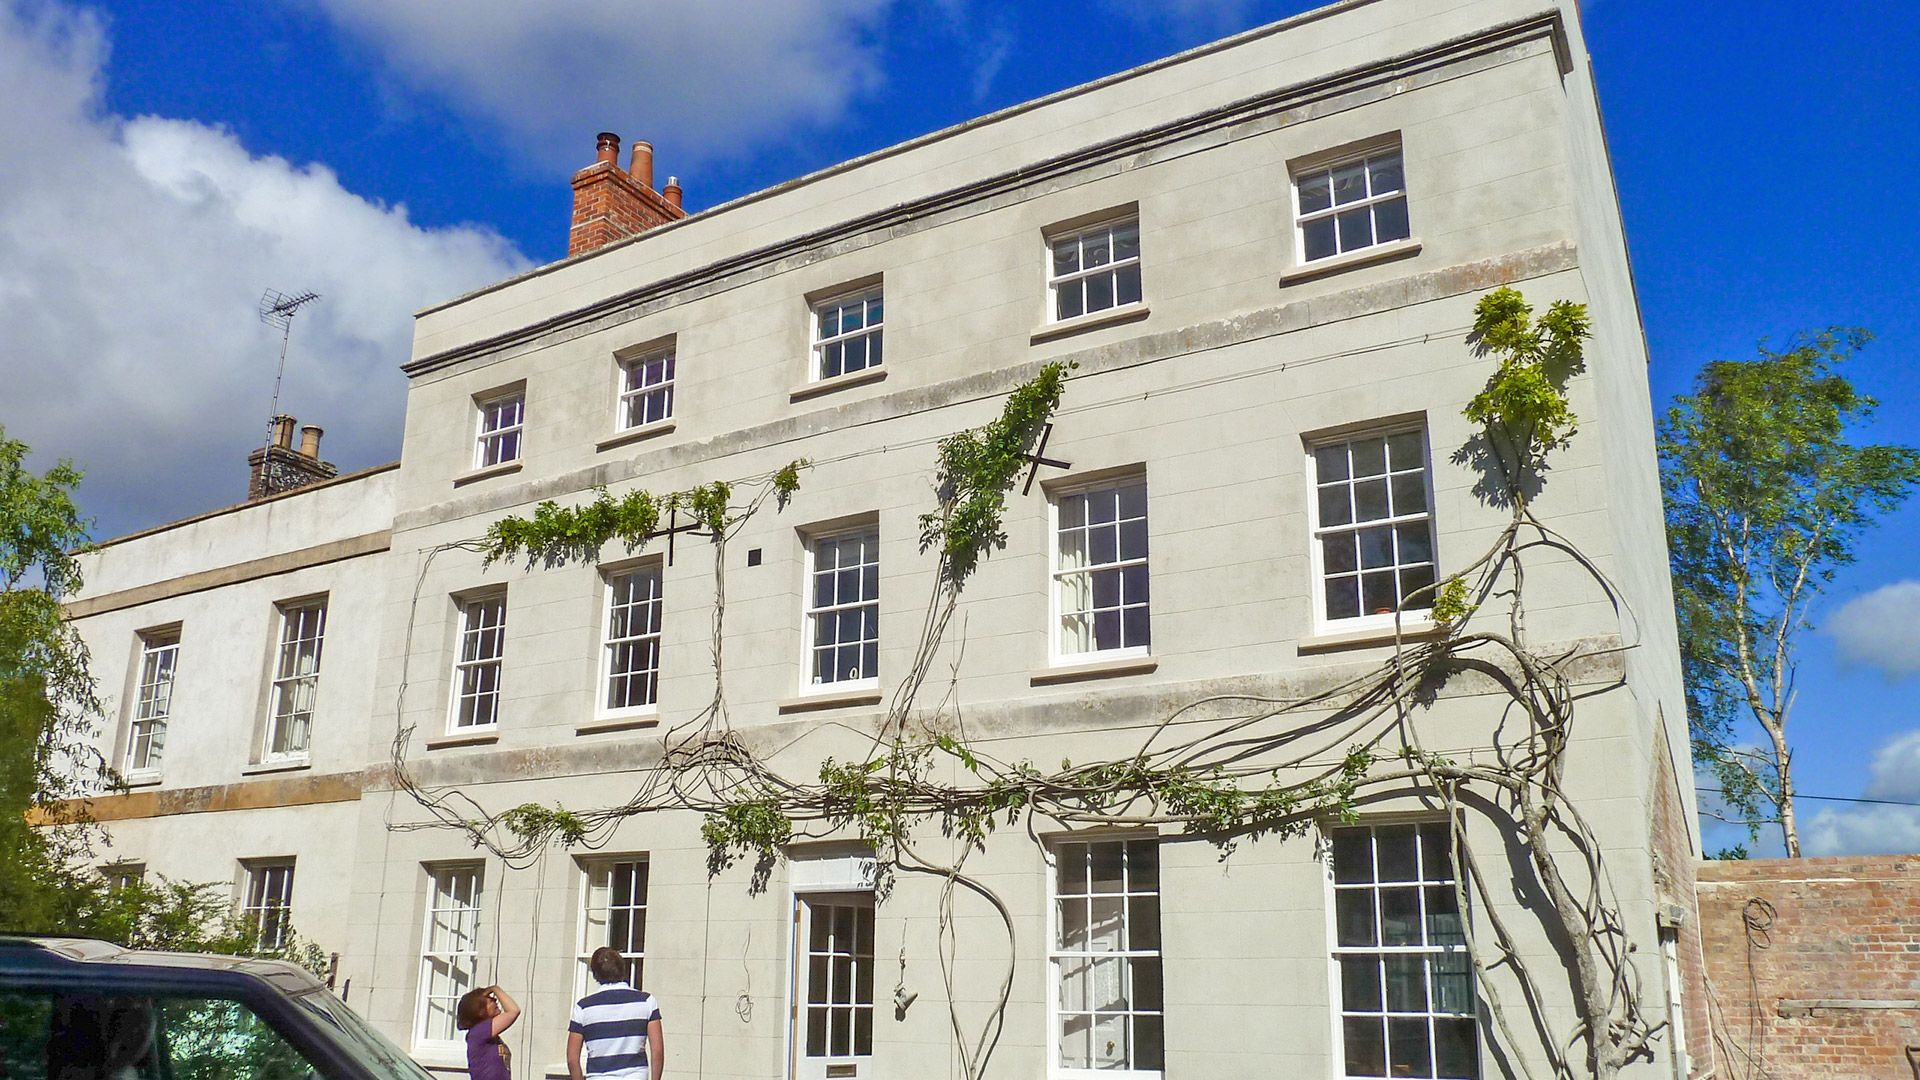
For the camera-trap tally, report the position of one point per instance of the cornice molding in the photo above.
(1237, 120)
(215, 798)
(284, 563)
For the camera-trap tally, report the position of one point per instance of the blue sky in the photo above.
(169, 161)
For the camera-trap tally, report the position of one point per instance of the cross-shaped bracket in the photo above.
(673, 529)
(1039, 458)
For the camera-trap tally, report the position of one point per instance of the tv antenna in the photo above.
(278, 309)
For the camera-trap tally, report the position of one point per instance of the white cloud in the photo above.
(1863, 830)
(1867, 828)
(698, 78)
(1878, 629)
(1193, 18)
(996, 51)
(132, 257)
(1896, 769)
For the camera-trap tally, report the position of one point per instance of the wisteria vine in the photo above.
(1224, 768)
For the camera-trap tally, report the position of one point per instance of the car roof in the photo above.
(56, 952)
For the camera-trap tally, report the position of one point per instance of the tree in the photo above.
(1767, 494)
(48, 757)
(46, 697)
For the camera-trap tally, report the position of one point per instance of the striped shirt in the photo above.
(613, 1021)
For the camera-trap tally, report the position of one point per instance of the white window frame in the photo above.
(642, 394)
(588, 940)
(1409, 619)
(486, 438)
(1055, 955)
(823, 877)
(609, 645)
(443, 882)
(293, 618)
(1335, 980)
(1366, 157)
(123, 875)
(810, 612)
(1079, 234)
(872, 330)
(473, 637)
(267, 903)
(1057, 574)
(1676, 998)
(158, 670)
(809, 907)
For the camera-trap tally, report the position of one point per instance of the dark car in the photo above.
(76, 1009)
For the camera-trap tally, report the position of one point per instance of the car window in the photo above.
(57, 1036)
(366, 1043)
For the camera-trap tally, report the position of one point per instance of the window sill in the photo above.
(634, 434)
(1421, 629)
(1110, 317)
(838, 382)
(618, 723)
(832, 699)
(440, 1058)
(1333, 264)
(465, 738)
(1094, 669)
(501, 469)
(143, 779)
(262, 767)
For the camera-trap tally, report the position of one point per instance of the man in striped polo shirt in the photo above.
(617, 1026)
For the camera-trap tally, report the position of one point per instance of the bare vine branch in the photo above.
(1225, 769)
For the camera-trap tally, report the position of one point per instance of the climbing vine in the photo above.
(976, 470)
(1225, 768)
(1523, 411)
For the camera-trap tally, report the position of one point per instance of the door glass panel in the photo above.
(837, 1013)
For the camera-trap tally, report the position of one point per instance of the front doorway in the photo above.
(833, 986)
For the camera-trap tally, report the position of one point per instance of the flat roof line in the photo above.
(915, 143)
(348, 478)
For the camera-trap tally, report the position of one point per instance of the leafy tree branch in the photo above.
(49, 762)
(1768, 489)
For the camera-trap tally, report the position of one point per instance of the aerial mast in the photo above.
(278, 309)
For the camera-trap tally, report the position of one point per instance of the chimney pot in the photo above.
(610, 203)
(310, 441)
(642, 168)
(283, 431)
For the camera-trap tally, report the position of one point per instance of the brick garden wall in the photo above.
(1831, 988)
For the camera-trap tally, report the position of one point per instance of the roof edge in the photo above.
(237, 507)
(915, 143)
(1546, 19)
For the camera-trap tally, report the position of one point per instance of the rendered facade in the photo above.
(1262, 256)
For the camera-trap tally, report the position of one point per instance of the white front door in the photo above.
(833, 986)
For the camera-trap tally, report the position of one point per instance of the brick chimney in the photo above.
(278, 467)
(611, 203)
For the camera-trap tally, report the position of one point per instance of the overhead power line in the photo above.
(1834, 798)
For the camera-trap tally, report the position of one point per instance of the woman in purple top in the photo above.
(483, 1015)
